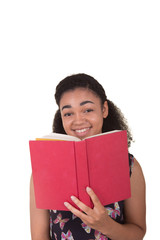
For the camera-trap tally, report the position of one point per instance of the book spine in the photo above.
(76, 170)
(82, 172)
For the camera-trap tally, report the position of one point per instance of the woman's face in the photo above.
(82, 113)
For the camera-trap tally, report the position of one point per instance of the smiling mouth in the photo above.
(82, 130)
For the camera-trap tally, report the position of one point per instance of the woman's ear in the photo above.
(105, 109)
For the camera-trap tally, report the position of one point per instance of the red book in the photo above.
(64, 168)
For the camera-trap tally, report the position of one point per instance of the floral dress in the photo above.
(65, 225)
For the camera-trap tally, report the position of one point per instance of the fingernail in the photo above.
(88, 189)
(66, 204)
(73, 198)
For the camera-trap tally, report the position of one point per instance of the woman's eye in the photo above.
(67, 114)
(89, 110)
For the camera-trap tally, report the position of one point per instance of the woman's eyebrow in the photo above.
(85, 102)
(81, 104)
(66, 106)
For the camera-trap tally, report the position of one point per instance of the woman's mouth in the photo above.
(82, 132)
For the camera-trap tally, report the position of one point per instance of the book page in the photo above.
(59, 137)
(65, 137)
(105, 133)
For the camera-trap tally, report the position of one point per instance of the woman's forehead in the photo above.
(78, 94)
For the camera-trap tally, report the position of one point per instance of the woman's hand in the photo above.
(134, 211)
(96, 218)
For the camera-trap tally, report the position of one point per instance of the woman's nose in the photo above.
(78, 118)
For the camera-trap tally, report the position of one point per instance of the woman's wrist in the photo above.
(108, 226)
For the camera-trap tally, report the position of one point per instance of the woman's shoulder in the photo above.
(135, 165)
(137, 182)
(137, 178)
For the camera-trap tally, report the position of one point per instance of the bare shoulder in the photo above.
(137, 166)
(137, 176)
(137, 182)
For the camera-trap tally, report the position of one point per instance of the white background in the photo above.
(41, 42)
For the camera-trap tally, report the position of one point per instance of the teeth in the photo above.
(82, 130)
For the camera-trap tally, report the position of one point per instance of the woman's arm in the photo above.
(39, 219)
(97, 218)
(134, 210)
(135, 207)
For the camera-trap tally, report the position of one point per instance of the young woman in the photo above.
(84, 110)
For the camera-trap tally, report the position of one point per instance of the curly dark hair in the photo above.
(115, 119)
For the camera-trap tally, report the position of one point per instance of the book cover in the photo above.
(64, 168)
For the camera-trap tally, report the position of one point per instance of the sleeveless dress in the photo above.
(65, 225)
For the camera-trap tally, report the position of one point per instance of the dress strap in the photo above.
(131, 162)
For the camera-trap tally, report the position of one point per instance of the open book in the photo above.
(67, 165)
